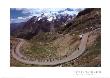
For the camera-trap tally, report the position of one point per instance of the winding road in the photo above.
(20, 57)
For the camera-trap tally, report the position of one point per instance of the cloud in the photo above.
(69, 9)
(38, 11)
(27, 13)
(16, 21)
(47, 11)
(18, 9)
(20, 19)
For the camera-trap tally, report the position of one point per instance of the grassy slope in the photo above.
(44, 46)
(87, 58)
(83, 22)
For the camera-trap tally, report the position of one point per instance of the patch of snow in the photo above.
(39, 18)
(50, 19)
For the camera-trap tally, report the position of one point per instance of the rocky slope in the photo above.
(86, 20)
(36, 25)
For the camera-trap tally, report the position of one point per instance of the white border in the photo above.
(51, 72)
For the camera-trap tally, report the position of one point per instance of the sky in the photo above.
(18, 15)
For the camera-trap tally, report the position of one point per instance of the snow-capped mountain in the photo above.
(24, 14)
(36, 24)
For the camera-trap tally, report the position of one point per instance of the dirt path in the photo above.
(18, 56)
